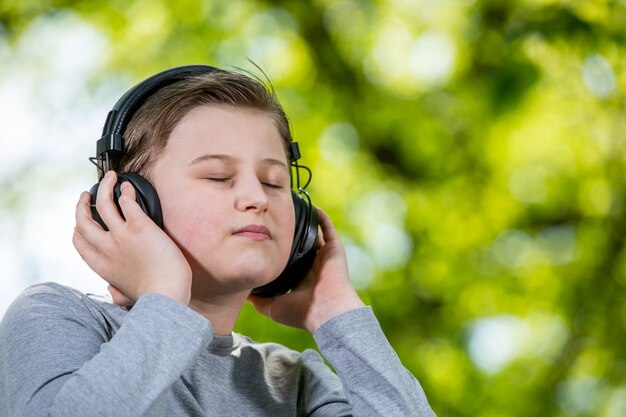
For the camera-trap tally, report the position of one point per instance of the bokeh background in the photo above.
(471, 152)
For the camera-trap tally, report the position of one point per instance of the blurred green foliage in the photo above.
(471, 153)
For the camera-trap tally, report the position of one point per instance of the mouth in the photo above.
(254, 232)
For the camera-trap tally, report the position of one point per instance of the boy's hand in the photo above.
(135, 256)
(325, 293)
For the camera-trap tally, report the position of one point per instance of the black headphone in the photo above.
(110, 148)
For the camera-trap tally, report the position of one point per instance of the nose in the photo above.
(251, 195)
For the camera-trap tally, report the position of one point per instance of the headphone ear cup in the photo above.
(303, 250)
(146, 197)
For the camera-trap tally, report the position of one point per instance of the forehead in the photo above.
(226, 130)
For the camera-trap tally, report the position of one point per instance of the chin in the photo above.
(240, 277)
(244, 272)
(258, 273)
(255, 277)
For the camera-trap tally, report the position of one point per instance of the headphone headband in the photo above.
(111, 143)
(123, 111)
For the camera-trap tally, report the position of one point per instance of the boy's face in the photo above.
(223, 180)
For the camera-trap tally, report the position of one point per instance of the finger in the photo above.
(85, 249)
(104, 202)
(85, 224)
(83, 211)
(329, 233)
(128, 202)
(118, 297)
(320, 240)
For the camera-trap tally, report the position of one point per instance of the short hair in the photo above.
(149, 129)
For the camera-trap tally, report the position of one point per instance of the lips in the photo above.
(254, 231)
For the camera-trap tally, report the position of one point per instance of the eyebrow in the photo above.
(229, 158)
(207, 157)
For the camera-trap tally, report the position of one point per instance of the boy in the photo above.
(214, 145)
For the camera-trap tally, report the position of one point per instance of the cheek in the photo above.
(286, 219)
(186, 218)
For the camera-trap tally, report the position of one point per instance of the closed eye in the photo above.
(272, 185)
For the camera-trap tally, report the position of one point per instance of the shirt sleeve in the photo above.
(55, 359)
(374, 380)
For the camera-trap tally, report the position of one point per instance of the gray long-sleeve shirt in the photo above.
(63, 353)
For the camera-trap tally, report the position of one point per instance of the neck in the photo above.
(221, 310)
